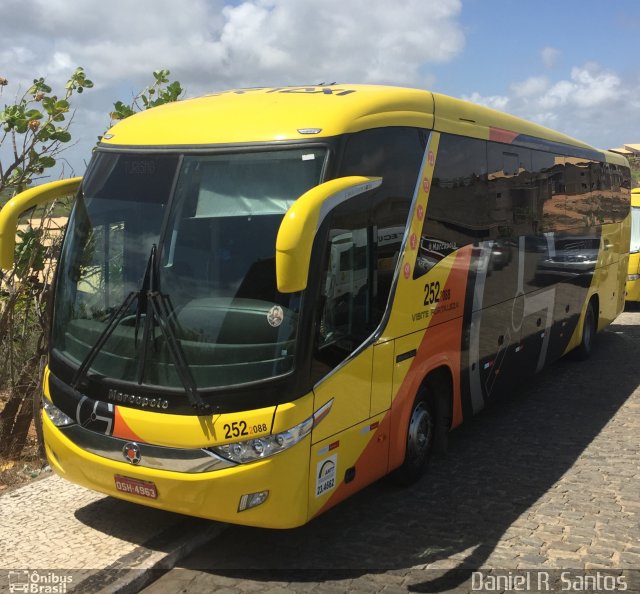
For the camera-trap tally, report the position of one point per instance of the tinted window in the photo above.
(458, 210)
(585, 193)
(488, 190)
(512, 192)
(363, 240)
(395, 154)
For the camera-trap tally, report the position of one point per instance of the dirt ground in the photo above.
(28, 467)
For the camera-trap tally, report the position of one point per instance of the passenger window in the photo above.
(592, 200)
(393, 153)
(358, 263)
(364, 239)
(545, 173)
(458, 210)
(511, 191)
(345, 319)
(586, 193)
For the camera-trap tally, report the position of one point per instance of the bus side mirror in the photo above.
(19, 204)
(301, 223)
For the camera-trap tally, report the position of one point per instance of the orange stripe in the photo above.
(121, 429)
(440, 345)
(368, 467)
(500, 135)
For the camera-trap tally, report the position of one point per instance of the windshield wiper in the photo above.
(114, 319)
(156, 306)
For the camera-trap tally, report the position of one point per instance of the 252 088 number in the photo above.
(431, 293)
(241, 429)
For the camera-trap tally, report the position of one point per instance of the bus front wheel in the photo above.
(419, 441)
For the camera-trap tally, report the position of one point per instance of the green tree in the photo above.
(34, 131)
(36, 126)
(160, 92)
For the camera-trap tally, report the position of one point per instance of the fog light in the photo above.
(252, 500)
(633, 277)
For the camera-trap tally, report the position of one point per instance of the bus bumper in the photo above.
(213, 495)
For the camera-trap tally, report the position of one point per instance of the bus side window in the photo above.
(364, 239)
(458, 210)
(345, 294)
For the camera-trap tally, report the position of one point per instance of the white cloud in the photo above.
(293, 41)
(595, 87)
(589, 104)
(531, 87)
(211, 45)
(550, 56)
(588, 87)
(60, 63)
(500, 102)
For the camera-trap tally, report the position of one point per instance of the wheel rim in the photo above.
(419, 437)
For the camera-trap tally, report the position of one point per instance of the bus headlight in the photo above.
(259, 448)
(263, 447)
(56, 416)
(633, 277)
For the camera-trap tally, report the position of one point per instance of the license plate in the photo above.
(133, 486)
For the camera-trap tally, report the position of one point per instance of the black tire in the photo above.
(589, 329)
(420, 434)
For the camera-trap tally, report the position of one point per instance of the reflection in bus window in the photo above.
(511, 192)
(458, 210)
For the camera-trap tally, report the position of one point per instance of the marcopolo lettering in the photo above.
(136, 400)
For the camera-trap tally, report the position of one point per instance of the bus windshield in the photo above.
(203, 228)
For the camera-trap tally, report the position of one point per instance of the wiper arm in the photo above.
(158, 308)
(114, 319)
(162, 312)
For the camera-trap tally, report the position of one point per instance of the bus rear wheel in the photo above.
(589, 329)
(419, 441)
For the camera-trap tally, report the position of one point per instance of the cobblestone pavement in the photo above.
(54, 530)
(547, 479)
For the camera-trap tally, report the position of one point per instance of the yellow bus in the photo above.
(269, 298)
(633, 279)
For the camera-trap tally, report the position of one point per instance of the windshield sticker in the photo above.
(275, 316)
(309, 157)
(326, 475)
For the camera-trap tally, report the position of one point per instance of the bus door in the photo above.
(349, 296)
(346, 444)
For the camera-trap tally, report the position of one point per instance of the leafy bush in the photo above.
(37, 128)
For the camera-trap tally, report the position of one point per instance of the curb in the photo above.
(60, 535)
(139, 568)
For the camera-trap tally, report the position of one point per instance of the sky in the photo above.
(571, 65)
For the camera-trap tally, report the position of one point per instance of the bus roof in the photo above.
(244, 116)
(275, 114)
